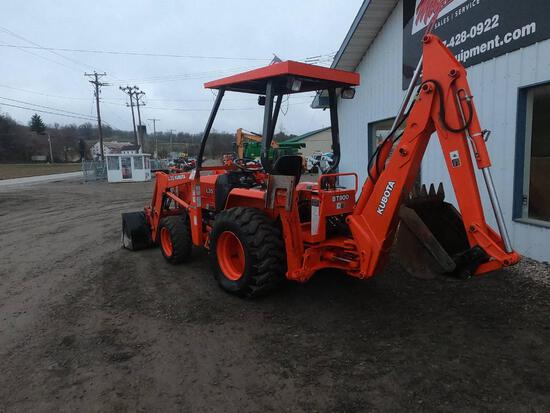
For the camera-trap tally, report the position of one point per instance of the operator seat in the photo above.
(225, 183)
(288, 165)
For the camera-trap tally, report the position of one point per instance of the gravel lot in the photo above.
(87, 326)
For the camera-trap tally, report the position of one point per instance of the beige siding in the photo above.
(320, 142)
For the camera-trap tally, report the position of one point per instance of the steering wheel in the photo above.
(248, 164)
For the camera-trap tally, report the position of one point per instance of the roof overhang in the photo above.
(368, 22)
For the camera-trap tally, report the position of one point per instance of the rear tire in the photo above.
(247, 252)
(175, 238)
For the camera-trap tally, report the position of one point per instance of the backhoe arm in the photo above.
(444, 105)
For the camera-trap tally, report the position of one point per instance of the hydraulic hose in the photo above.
(442, 114)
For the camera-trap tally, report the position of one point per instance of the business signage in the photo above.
(475, 30)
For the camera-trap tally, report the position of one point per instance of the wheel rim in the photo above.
(230, 253)
(166, 241)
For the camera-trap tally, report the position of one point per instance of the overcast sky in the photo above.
(243, 32)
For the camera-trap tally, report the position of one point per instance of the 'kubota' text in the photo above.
(385, 197)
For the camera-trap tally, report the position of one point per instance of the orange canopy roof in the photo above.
(285, 75)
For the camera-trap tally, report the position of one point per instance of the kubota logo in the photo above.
(426, 9)
(385, 197)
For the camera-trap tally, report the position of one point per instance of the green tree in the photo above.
(36, 124)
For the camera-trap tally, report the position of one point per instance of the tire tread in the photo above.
(266, 247)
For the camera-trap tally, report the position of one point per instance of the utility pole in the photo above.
(130, 92)
(155, 134)
(51, 152)
(138, 94)
(171, 142)
(97, 84)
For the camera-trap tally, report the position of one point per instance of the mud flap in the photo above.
(431, 239)
(136, 233)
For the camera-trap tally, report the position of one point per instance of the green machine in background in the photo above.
(252, 150)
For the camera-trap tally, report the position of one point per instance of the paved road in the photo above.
(38, 179)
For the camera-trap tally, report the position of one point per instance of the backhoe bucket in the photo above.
(136, 233)
(431, 239)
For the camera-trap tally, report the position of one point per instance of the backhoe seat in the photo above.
(289, 165)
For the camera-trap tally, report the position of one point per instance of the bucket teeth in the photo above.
(423, 191)
(427, 194)
(440, 191)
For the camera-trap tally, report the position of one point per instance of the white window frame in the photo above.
(528, 137)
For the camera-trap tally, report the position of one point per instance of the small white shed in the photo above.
(128, 167)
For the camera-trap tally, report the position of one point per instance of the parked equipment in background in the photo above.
(182, 164)
(249, 144)
(319, 162)
(261, 224)
(228, 158)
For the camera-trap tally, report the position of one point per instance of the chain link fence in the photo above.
(159, 165)
(94, 171)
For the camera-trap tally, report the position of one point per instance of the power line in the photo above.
(112, 100)
(83, 115)
(21, 49)
(38, 46)
(220, 72)
(193, 75)
(208, 109)
(168, 55)
(44, 111)
(147, 54)
(33, 92)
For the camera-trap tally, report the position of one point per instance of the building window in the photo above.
(112, 163)
(535, 199)
(378, 131)
(138, 162)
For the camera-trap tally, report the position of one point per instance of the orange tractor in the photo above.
(262, 224)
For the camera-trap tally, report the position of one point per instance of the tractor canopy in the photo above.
(272, 83)
(287, 77)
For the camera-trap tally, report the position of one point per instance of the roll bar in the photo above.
(271, 114)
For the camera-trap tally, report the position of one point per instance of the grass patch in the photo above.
(20, 170)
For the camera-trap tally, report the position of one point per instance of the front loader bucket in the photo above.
(431, 239)
(136, 233)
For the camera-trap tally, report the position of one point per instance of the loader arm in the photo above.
(443, 105)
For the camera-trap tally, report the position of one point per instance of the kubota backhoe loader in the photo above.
(261, 224)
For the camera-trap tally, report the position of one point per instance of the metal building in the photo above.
(317, 141)
(505, 47)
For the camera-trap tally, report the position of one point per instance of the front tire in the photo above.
(175, 238)
(247, 252)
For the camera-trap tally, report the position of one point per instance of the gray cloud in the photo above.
(174, 86)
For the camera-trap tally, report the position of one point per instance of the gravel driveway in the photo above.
(87, 326)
